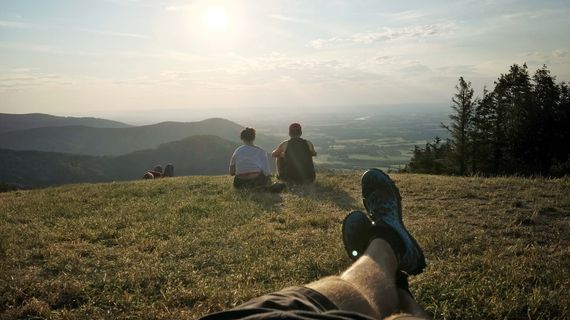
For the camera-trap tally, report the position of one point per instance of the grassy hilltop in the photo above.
(182, 247)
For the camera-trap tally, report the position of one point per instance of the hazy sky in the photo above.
(105, 56)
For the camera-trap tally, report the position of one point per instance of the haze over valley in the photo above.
(41, 150)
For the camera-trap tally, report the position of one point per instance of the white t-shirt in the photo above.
(248, 159)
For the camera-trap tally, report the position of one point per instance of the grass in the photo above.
(179, 248)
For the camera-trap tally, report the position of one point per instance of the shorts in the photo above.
(259, 181)
(300, 303)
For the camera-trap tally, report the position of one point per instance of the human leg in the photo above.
(368, 286)
(409, 305)
(375, 291)
(372, 285)
(281, 170)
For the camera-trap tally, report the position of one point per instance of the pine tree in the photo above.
(513, 106)
(561, 152)
(482, 139)
(461, 123)
(542, 124)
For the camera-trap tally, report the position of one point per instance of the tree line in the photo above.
(520, 127)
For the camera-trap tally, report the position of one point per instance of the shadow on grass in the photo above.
(267, 200)
(326, 193)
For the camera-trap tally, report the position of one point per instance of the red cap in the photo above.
(295, 130)
(294, 126)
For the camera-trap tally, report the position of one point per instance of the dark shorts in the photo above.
(259, 181)
(291, 303)
(294, 175)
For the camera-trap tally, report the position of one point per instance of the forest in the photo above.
(520, 127)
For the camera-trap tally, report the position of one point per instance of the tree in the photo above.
(542, 124)
(522, 126)
(513, 106)
(561, 151)
(461, 125)
(482, 139)
(435, 157)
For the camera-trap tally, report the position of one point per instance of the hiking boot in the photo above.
(383, 202)
(356, 233)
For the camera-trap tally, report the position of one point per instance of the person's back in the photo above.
(250, 159)
(295, 157)
(249, 163)
(299, 165)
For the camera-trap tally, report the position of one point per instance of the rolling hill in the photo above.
(497, 248)
(196, 155)
(118, 141)
(14, 122)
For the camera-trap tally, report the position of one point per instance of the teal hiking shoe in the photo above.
(383, 202)
(356, 234)
(358, 231)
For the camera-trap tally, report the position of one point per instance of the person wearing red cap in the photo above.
(295, 157)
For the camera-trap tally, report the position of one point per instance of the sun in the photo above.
(215, 18)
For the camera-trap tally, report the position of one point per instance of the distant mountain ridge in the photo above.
(118, 141)
(14, 122)
(196, 155)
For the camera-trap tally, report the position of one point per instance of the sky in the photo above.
(106, 57)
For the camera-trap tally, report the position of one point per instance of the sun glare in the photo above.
(215, 18)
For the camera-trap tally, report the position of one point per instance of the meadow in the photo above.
(497, 248)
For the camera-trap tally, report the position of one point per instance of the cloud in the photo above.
(24, 25)
(416, 68)
(456, 70)
(386, 34)
(41, 48)
(301, 70)
(405, 15)
(245, 73)
(15, 24)
(288, 18)
(321, 43)
(559, 56)
(384, 58)
(177, 8)
(24, 78)
(560, 53)
(113, 33)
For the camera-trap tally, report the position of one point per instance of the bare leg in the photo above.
(279, 166)
(409, 306)
(368, 286)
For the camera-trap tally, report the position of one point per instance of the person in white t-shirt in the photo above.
(249, 163)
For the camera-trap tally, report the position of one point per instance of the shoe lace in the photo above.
(379, 204)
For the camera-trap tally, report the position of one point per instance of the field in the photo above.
(497, 248)
(382, 138)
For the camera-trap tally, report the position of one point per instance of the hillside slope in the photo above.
(13, 122)
(118, 141)
(202, 155)
(178, 248)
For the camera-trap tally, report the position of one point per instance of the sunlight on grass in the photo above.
(179, 248)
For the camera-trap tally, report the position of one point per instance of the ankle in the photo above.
(382, 252)
(389, 236)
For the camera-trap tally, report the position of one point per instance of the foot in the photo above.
(383, 201)
(356, 234)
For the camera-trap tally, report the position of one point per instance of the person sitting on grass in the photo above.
(249, 163)
(158, 173)
(294, 157)
(375, 286)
